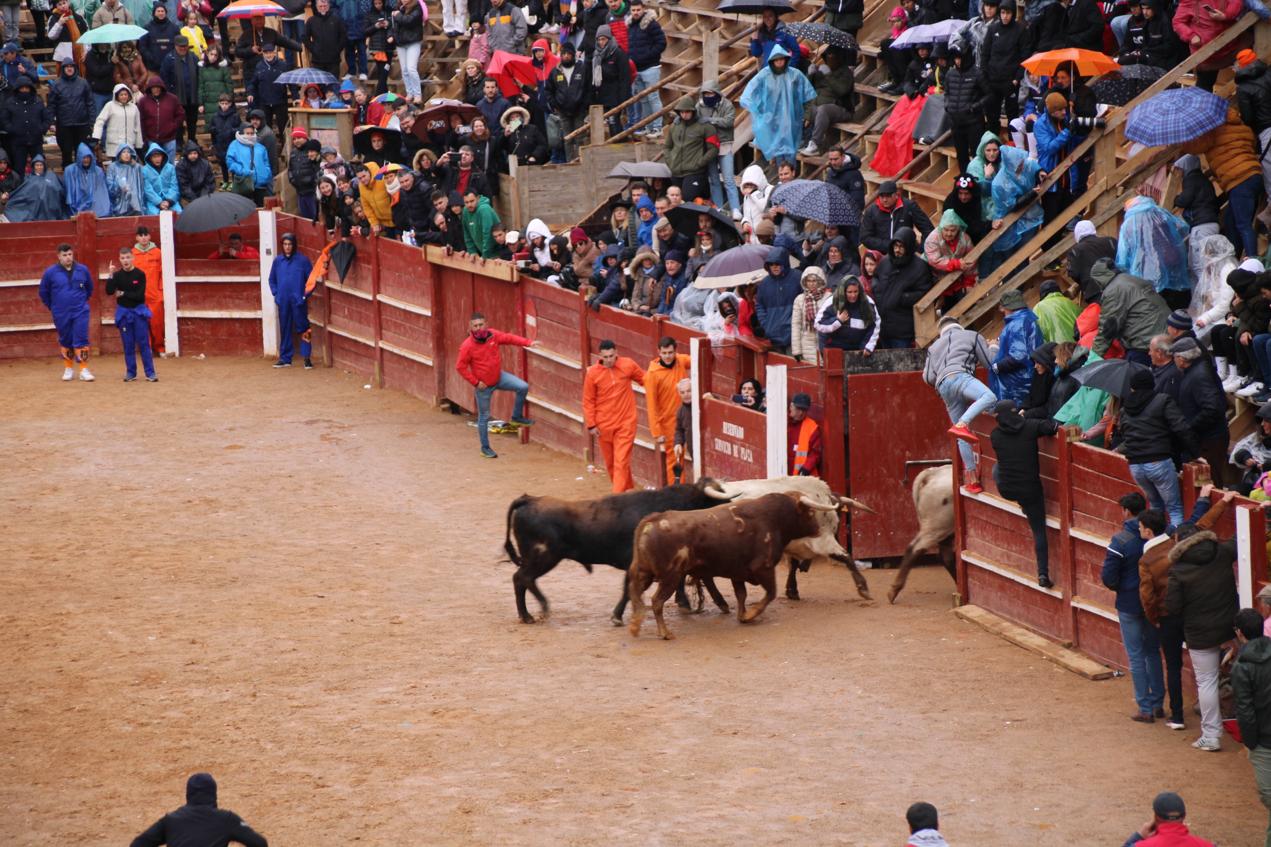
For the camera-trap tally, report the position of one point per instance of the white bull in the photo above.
(801, 552)
(933, 501)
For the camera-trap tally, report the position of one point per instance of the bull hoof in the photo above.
(668, 635)
(615, 620)
(634, 629)
(864, 594)
(892, 595)
(793, 595)
(528, 619)
(749, 617)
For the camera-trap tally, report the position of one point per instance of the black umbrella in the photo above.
(214, 211)
(823, 34)
(1110, 375)
(684, 218)
(1117, 89)
(342, 256)
(392, 151)
(755, 7)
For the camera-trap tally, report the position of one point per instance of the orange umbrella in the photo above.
(1087, 62)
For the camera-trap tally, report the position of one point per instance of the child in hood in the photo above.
(224, 126)
(160, 177)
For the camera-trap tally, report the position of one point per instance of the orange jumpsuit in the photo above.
(663, 402)
(609, 406)
(151, 264)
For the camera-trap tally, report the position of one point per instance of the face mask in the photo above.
(710, 99)
(481, 335)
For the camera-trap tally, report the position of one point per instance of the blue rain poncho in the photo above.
(127, 188)
(160, 182)
(38, 198)
(86, 186)
(775, 102)
(1013, 182)
(1152, 244)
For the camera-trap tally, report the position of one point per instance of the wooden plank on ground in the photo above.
(1034, 643)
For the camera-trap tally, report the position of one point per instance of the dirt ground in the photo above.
(294, 583)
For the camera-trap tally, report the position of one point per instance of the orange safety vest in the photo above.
(806, 429)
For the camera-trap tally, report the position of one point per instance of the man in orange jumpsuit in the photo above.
(609, 411)
(663, 399)
(148, 258)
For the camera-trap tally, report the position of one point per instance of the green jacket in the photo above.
(213, 81)
(476, 229)
(1057, 317)
(1130, 310)
(1251, 689)
(834, 88)
(687, 150)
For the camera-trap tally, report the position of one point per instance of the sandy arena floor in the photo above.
(293, 582)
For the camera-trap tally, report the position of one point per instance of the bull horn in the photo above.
(820, 507)
(848, 502)
(716, 491)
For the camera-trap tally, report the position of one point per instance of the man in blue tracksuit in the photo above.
(65, 289)
(287, 280)
(774, 299)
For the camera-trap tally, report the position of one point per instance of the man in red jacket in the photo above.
(1166, 828)
(479, 364)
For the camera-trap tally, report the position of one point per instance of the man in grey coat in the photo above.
(950, 370)
(505, 27)
(717, 110)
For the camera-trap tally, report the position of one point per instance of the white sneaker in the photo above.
(1250, 389)
(737, 215)
(1232, 383)
(362, 77)
(86, 375)
(68, 374)
(809, 150)
(1209, 745)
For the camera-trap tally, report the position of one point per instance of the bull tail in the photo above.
(508, 547)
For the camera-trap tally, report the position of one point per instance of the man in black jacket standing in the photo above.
(325, 35)
(71, 107)
(1018, 474)
(882, 222)
(1150, 424)
(1204, 405)
(568, 86)
(844, 171)
(1006, 44)
(180, 72)
(964, 104)
(199, 822)
(900, 281)
(1251, 689)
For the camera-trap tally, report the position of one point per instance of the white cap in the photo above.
(1084, 229)
(512, 236)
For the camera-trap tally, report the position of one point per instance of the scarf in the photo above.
(811, 298)
(598, 61)
(245, 139)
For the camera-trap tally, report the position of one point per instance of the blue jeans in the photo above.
(355, 56)
(1143, 647)
(723, 181)
(965, 397)
(1159, 481)
(507, 382)
(1120, 28)
(1261, 349)
(1242, 202)
(650, 103)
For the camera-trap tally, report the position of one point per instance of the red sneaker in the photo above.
(961, 431)
(973, 487)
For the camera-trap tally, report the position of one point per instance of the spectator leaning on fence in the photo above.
(1251, 691)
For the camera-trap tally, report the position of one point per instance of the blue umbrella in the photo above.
(928, 33)
(113, 34)
(306, 76)
(812, 199)
(1173, 117)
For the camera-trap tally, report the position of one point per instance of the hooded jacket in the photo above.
(160, 182)
(956, 351)
(1251, 690)
(1131, 310)
(325, 36)
(161, 117)
(1154, 564)
(964, 93)
(86, 189)
(249, 160)
(99, 71)
(9, 178)
(691, 145)
(645, 41)
(71, 100)
(879, 227)
(24, 116)
(804, 340)
(898, 285)
(1011, 376)
(862, 328)
(779, 104)
(194, 179)
(944, 257)
(775, 296)
(476, 229)
(1057, 317)
(1005, 47)
(119, 123)
(1253, 95)
(38, 198)
(721, 117)
(1081, 258)
(1018, 470)
(1153, 429)
(1197, 198)
(199, 821)
(754, 204)
(126, 185)
(848, 178)
(1190, 18)
(1202, 589)
(1231, 151)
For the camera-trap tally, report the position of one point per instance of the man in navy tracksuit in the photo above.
(65, 289)
(287, 281)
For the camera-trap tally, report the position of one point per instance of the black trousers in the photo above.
(1214, 451)
(897, 60)
(1034, 506)
(1172, 647)
(191, 130)
(966, 137)
(69, 138)
(1226, 343)
(277, 116)
(1001, 96)
(1054, 202)
(332, 68)
(694, 186)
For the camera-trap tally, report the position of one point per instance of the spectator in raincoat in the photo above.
(38, 198)
(850, 321)
(85, 184)
(1012, 369)
(1231, 151)
(1200, 208)
(1056, 314)
(755, 190)
(778, 98)
(946, 248)
(125, 183)
(1211, 296)
(1013, 183)
(162, 190)
(1152, 244)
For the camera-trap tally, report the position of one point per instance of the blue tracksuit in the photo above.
(134, 332)
(287, 279)
(66, 294)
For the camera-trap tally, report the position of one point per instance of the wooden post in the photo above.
(596, 120)
(1262, 40)
(710, 54)
(377, 325)
(1105, 158)
(1067, 550)
(86, 255)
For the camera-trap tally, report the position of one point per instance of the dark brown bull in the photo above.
(742, 541)
(591, 532)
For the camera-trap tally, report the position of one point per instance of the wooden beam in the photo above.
(1067, 659)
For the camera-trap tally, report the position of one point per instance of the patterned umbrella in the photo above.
(686, 219)
(251, 8)
(823, 34)
(113, 34)
(386, 97)
(1173, 117)
(755, 7)
(306, 76)
(1087, 62)
(639, 170)
(812, 199)
(1120, 87)
(440, 109)
(928, 33)
(739, 266)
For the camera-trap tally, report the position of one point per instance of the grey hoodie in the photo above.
(956, 351)
(927, 838)
(721, 116)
